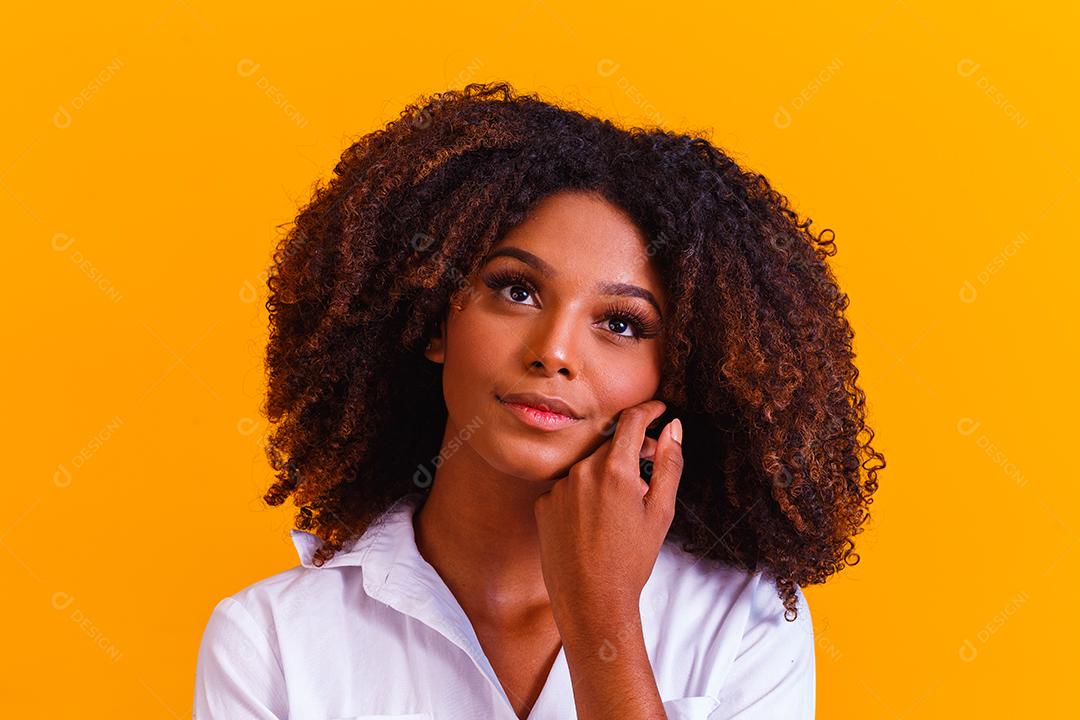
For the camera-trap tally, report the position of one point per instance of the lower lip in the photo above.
(541, 419)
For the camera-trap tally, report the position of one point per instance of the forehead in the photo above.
(583, 235)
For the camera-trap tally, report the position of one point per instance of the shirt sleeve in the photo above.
(773, 673)
(238, 675)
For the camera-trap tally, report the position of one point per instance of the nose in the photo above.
(552, 344)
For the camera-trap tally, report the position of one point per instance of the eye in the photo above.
(619, 318)
(502, 279)
(630, 318)
(627, 323)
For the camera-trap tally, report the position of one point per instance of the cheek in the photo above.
(477, 342)
(628, 383)
(477, 348)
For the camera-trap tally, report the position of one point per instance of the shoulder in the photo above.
(283, 599)
(240, 665)
(728, 626)
(710, 589)
(244, 653)
(249, 612)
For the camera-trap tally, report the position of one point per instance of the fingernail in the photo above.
(676, 430)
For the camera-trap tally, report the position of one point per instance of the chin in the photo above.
(531, 462)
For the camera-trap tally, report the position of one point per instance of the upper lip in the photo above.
(542, 402)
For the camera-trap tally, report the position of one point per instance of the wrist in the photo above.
(601, 633)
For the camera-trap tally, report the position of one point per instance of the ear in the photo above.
(436, 347)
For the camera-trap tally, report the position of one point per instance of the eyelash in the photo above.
(644, 327)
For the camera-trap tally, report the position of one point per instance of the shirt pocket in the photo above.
(696, 707)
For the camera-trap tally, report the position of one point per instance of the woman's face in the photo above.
(554, 310)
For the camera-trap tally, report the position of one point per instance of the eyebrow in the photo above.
(545, 269)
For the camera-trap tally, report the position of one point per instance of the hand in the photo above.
(601, 527)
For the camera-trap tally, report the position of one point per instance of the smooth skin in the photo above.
(547, 538)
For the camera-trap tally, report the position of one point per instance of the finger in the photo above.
(667, 469)
(630, 432)
(648, 449)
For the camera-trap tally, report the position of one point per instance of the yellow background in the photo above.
(151, 153)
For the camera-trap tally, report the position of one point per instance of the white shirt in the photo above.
(376, 633)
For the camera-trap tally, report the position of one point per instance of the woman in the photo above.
(475, 327)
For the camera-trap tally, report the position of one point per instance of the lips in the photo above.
(542, 402)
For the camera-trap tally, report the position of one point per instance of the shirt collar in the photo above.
(394, 573)
(388, 546)
(377, 549)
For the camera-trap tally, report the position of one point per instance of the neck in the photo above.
(477, 529)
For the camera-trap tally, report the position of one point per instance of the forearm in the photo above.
(609, 667)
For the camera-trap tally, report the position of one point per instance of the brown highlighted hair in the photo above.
(779, 471)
